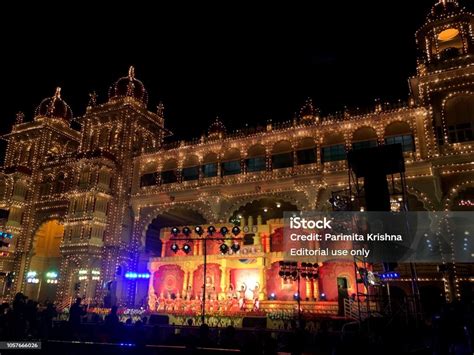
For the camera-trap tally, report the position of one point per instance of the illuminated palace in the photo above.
(90, 209)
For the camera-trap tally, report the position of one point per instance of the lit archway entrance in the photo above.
(43, 273)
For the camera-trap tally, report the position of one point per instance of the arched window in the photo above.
(306, 151)
(169, 171)
(149, 175)
(256, 158)
(231, 162)
(364, 137)
(191, 168)
(282, 155)
(209, 165)
(60, 183)
(400, 133)
(459, 112)
(104, 138)
(333, 148)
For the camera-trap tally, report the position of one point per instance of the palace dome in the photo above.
(54, 107)
(443, 8)
(129, 86)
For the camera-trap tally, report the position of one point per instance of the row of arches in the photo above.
(282, 154)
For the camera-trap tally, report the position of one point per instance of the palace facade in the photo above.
(85, 207)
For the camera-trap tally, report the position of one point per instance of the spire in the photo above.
(57, 94)
(92, 99)
(20, 117)
(160, 109)
(131, 72)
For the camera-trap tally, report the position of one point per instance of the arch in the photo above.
(190, 167)
(264, 207)
(256, 150)
(169, 217)
(169, 171)
(148, 215)
(333, 148)
(231, 162)
(209, 165)
(104, 137)
(149, 174)
(256, 158)
(306, 151)
(282, 155)
(46, 257)
(333, 138)
(301, 202)
(364, 133)
(283, 146)
(454, 193)
(400, 132)
(364, 137)
(231, 154)
(3, 186)
(190, 160)
(459, 117)
(397, 128)
(422, 197)
(60, 183)
(170, 164)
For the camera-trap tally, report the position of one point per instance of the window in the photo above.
(191, 173)
(284, 160)
(209, 170)
(231, 167)
(306, 156)
(406, 141)
(333, 153)
(168, 177)
(255, 164)
(364, 144)
(148, 179)
(461, 132)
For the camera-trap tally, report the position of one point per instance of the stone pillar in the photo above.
(190, 282)
(316, 289)
(223, 281)
(263, 284)
(309, 289)
(185, 282)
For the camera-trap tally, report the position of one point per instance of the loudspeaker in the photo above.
(159, 319)
(374, 164)
(254, 322)
(384, 159)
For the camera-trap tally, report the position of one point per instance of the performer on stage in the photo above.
(242, 291)
(255, 294)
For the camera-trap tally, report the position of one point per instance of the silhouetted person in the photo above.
(18, 316)
(75, 314)
(47, 316)
(112, 323)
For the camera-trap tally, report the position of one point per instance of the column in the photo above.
(190, 283)
(185, 282)
(309, 289)
(316, 289)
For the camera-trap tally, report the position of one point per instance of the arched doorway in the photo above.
(43, 272)
(171, 218)
(266, 208)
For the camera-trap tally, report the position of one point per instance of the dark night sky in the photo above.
(244, 64)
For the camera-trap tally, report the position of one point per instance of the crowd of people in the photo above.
(449, 331)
